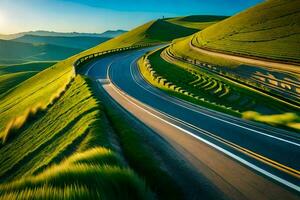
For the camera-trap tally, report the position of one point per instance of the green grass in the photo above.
(269, 30)
(199, 22)
(11, 76)
(181, 48)
(65, 152)
(141, 159)
(199, 86)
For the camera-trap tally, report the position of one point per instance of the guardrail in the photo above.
(83, 60)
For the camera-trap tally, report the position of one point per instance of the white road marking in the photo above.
(222, 120)
(256, 168)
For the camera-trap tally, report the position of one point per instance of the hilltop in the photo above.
(269, 30)
(199, 22)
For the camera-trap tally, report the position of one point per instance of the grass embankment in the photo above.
(141, 159)
(196, 85)
(270, 30)
(65, 153)
(12, 75)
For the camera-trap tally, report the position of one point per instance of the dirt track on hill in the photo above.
(251, 61)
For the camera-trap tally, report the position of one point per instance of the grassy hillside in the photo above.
(66, 153)
(199, 22)
(12, 75)
(270, 30)
(12, 52)
(153, 32)
(59, 130)
(41, 89)
(82, 42)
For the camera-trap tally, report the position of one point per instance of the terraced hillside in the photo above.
(270, 30)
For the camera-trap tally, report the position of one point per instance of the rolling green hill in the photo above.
(270, 30)
(12, 75)
(12, 52)
(153, 32)
(199, 22)
(83, 42)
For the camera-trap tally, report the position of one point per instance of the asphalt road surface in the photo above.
(246, 159)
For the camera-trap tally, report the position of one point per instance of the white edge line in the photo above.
(222, 120)
(291, 185)
(127, 97)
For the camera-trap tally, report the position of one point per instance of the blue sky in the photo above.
(100, 15)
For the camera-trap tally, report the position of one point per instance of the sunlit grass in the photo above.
(291, 120)
(268, 30)
(65, 153)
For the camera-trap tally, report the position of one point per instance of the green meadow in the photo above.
(13, 75)
(269, 30)
(64, 152)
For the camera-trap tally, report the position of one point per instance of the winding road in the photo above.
(244, 159)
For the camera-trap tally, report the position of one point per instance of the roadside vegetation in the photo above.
(202, 87)
(66, 153)
(141, 159)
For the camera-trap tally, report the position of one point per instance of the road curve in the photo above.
(243, 158)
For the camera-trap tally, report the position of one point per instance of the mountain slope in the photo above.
(110, 33)
(82, 42)
(270, 30)
(12, 52)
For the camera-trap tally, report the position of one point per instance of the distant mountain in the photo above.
(78, 42)
(109, 33)
(12, 52)
(112, 34)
